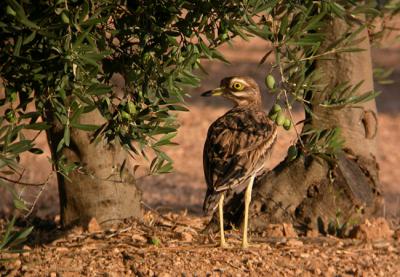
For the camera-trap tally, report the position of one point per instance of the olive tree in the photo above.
(62, 55)
(329, 178)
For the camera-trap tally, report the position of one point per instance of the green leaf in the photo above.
(21, 16)
(205, 50)
(164, 140)
(37, 126)
(98, 89)
(85, 127)
(177, 108)
(19, 147)
(67, 135)
(167, 168)
(29, 38)
(21, 236)
(19, 204)
(315, 21)
(36, 151)
(18, 45)
(76, 114)
(338, 9)
(7, 235)
(217, 55)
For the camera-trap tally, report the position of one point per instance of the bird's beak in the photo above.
(214, 92)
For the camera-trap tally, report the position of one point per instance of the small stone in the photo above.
(315, 251)
(17, 264)
(53, 274)
(304, 255)
(294, 243)
(381, 245)
(138, 238)
(186, 236)
(289, 231)
(26, 250)
(78, 230)
(57, 219)
(376, 229)
(298, 272)
(164, 274)
(331, 270)
(185, 233)
(274, 231)
(313, 233)
(93, 226)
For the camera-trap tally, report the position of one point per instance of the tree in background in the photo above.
(329, 179)
(62, 56)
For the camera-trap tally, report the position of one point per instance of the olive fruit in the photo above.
(10, 115)
(273, 116)
(280, 119)
(287, 124)
(270, 81)
(276, 108)
(131, 108)
(125, 115)
(64, 18)
(10, 11)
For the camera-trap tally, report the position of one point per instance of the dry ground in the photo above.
(182, 249)
(173, 245)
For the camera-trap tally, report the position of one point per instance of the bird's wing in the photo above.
(236, 147)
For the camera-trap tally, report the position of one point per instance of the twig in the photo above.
(23, 183)
(19, 180)
(288, 106)
(291, 118)
(118, 232)
(38, 195)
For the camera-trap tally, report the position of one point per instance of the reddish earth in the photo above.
(172, 245)
(181, 248)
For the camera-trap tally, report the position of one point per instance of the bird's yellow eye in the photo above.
(238, 86)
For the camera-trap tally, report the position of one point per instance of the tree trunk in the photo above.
(97, 189)
(309, 192)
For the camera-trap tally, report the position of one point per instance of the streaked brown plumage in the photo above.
(238, 143)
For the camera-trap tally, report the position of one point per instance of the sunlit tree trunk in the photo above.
(102, 188)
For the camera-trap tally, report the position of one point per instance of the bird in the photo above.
(236, 148)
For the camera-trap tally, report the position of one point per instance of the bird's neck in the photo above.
(255, 104)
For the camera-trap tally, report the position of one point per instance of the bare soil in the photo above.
(173, 245)
(170, 243)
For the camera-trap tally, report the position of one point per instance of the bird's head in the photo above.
(239, 89)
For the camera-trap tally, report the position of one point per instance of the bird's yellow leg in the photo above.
(247, 199)
(221, 220)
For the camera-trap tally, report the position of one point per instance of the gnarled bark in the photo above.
(98, 189)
